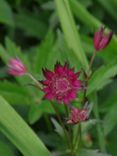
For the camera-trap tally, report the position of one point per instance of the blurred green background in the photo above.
(31, 30)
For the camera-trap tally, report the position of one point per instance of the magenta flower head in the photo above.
(62, 84)
(16, 67)
(77, 116)
(101, 40)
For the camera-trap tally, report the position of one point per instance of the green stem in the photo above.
(69, 128)
(78, 138)
(92, 61)
(96, 112)
(101, 138)
(37, 83)
(62, 124)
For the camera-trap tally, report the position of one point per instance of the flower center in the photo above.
(62, 85)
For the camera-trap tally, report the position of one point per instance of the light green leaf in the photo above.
(19, 133)
(70, 31)
(10, 90)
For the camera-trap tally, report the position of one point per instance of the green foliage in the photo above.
(30, 30)
(110, 119)
(110, 6)
(43, 52)
(70, 31)
(6, 16)
(5, 149)
(18, 132)
(31, 25)
(102, 77)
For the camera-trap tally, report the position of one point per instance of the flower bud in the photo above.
(101, 40)
(16, 67)
(77, 115)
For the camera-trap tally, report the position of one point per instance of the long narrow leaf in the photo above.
(70, 31)
(19, 133)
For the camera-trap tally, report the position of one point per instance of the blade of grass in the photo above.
(70, 31)
(19, 133)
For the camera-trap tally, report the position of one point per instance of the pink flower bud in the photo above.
(101, 40)
(77, 115)
(16, 67)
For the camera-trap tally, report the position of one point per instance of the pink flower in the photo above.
(101, 40)
(62, 84)
(16, 67)
(77, 115)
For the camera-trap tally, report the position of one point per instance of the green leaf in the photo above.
(31, 25)
(102, 77)
(70, 31)
(19, 133)
(5, 149)
(110, 7)
(82, 14)
(6, 16)
(43, 51)
(93, 23)
(10, 90)
(58, 127)
(38, 109)
(110, 120)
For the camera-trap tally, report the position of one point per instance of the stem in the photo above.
(69, 128)
(92, 60)
(34, 80)
(96, 112)
(77, 139)
(99, 129)
(61, 122)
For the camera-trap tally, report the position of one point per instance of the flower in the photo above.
(62, 84)
(101, 40)
(77, 115)
(16, 67)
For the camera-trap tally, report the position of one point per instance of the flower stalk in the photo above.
(37, 83)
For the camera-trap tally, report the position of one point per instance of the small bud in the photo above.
(77, 115)
(101, 40)
(16, 67)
